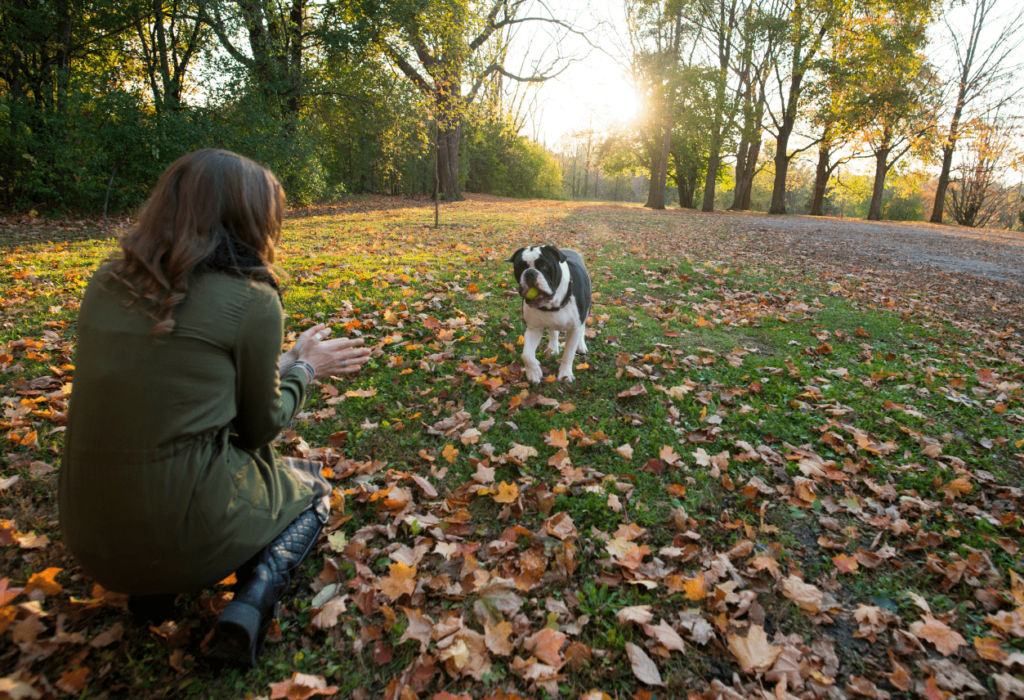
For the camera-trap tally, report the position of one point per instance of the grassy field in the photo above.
(765, 478)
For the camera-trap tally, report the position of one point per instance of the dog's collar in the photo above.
(565, 302)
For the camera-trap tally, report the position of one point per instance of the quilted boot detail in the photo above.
(241, 627)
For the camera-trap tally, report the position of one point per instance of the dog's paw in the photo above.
(534, 374)
(566, 377)
(582, 347)
(554, 348)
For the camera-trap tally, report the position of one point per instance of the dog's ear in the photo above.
(556, 251)
(515, 255)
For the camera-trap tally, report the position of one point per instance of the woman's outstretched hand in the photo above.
(328, 356)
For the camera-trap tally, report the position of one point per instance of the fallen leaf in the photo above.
(945, 639)
(400, 581)
(421, 628)
(108, 636)
(560, 525)
(449, 453)
(625, 450)
(643, 667)
(845, 564)
(556, 438)
(507, 493)
(640, 614)
(72, 681)
(497, 638)
(666, 636)
(300, 686)
(753, 652)
(546, 645)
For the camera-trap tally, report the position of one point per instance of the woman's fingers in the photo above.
(341, 343)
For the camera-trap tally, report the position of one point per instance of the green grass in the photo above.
(817, 362)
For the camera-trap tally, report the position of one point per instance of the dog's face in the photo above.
(540, 268)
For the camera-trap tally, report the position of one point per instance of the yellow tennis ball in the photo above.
(532, 293)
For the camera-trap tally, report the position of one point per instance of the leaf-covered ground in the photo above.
(778, 474)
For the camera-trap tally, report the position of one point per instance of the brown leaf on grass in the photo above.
(643, 667)
(666, 636)
(362, 393)
(859, 685)
(635, 390)
(945, 639)
(808, 597)
(556, 438)
(327, 616)
(498, 598)
(108, 636)
(483, 475)
(72, 681)
(845, 564)
(546, 645)
(496, 637)
(577, 654)
(521, 453)
(400, 581)
(560, 525)
(300, 687)
(753, 652)
(990, 649)
(640, 614)
(425, 487)
(668, 455)
(27, 630)
(1008, 687)
(420, 628)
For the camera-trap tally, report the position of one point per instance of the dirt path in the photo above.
(993, 255)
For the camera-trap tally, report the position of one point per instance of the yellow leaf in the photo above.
(506, 493)
(400, 581)
(449, 453)
(696, 588)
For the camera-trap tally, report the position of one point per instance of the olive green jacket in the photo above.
(169, 481)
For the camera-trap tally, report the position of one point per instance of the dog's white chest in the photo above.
(564, 319)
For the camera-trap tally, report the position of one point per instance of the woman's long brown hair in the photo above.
(201, 198)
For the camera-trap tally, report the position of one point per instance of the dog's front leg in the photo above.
(531, 341)
(572, 341)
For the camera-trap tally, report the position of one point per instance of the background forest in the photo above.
(896, 109)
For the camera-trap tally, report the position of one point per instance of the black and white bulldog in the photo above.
(555, 288)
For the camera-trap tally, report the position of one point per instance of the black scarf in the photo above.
(236, 258)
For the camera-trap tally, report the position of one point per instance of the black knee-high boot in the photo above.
(240, 629)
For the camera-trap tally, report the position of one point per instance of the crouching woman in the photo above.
(169, 482)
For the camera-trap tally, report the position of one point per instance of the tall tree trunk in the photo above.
(710, 180)
(940, 189)
(881, 169)
(448, 136)
(778, 205)
(753, 154)
(741, 162)
(659, 166)
(821, 180)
